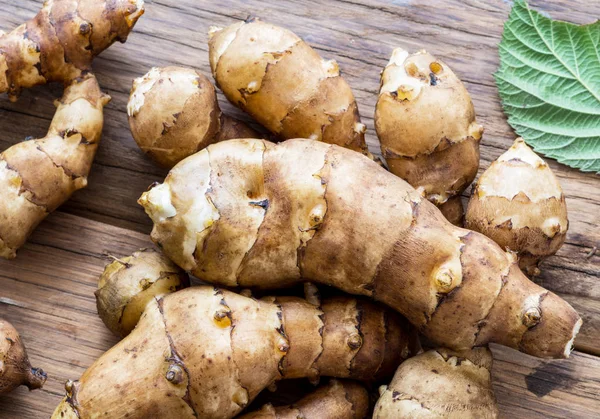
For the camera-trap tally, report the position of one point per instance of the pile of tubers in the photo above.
(240, 212)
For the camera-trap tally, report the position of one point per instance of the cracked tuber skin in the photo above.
(173, 113)
(335, 400)
(37, 176)
(253, 214)
(518, 203)
(15, 369)
(205, 352)
(60, 42)
(283, 83)
(426, 125)
(441, 384)
(128, 284)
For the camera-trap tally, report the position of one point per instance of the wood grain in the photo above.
(47, 293)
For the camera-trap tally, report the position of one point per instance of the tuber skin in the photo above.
(283, 83)
(518, 203)
(173, 113)
(15, 369)
(37, 176)
(441, 384)
(207, 353)
(251, 213)
(127, 285)
(60, 42)
(426, 125)
(336, 400)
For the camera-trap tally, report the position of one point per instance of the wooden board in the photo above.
(47, 293)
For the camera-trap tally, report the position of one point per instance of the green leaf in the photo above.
(549, 83)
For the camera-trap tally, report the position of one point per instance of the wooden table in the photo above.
(47, 292)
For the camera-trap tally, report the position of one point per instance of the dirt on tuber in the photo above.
(426, 125)
(518, 203)
(128, 284)
(251, 213)
(15, 369)
(173, 113)
(335, 400)
(283, 83)
(441, 384)
(207, 353)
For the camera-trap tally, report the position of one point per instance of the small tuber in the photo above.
(441, 384)
(426, 125)
(127, 285)
(253, 214)
(335, 400)
(518, 203)
(15, 369)
(276, 77)
(207, 353)
(173, 113)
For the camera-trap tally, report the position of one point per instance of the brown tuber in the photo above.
(128, 284)
(250, 213)
(283, 83)
(335, 400)
(441, 384)
(426, 125)
(15, 369)
(37, 176)
(207, 353)
(518, 203)
(173, 113)
(61, 41)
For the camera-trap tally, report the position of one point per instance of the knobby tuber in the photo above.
(426, 125)
(60, 42)
(37, 176)
(336, 400)
(206, 353)
(15, 369)
(128, 284)
(276, 77)
(440, 384)
(173, 113)
(253, 214)
(519, 203)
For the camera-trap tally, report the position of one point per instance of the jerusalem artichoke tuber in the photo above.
(284, 84)
(37, 176)
(426, 125)
(254, 214)
(60, 42)
(518, 203)
(127, 285)
(173, 113)
(207, 353)
(15, 369)
(336, 400)
(441, 384)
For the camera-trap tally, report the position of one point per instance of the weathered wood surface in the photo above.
(47, 293)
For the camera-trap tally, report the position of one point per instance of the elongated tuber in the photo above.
(284, 84)
(254, 214)
(426, 125)
(127, 285)
(15, 369)
(518, 203)
(336, 400)
(173, 113)
(441, 384)
(206, 353)
(37, 176)
(60, 42)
